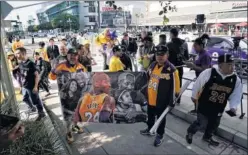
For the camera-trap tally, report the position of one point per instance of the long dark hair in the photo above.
(66, 88)
(201, 41)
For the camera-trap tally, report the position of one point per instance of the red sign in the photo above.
(107, 9)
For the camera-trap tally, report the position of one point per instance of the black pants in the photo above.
(152, 113)
(210, 124)
(180, 74)
(44, 85)
(31, 99)
(89, 69)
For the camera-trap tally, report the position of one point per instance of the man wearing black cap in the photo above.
(64, 71)
(211, 91)
(178, 50)
(162, 86)
(115, 64)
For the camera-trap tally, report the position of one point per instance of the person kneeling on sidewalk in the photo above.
(163, 83)
(214, 87)
(30, 83)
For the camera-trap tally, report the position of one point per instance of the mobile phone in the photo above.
(7, 123)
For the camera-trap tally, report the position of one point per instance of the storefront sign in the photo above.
(239, 5)
(107, 9)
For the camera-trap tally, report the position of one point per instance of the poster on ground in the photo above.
(105, 97)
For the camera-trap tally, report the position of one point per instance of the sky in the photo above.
(24, 17)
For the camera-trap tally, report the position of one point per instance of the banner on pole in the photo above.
(101, 97)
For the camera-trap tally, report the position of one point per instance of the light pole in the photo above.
(125, 18)
(69, 21)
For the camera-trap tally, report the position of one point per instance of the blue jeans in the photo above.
(31, 99)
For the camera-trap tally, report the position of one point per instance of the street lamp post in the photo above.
(69, 21)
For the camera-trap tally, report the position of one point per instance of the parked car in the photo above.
(51, 35)
(41, 35)
(188, 36)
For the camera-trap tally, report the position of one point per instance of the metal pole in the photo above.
(6, 79)
(99, 16)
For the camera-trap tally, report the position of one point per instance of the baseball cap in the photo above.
(225, 58)
(161, 50)
(162, 36)
(117, 48)
(72, 51)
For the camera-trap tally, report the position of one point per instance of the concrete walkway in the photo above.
(125, 139)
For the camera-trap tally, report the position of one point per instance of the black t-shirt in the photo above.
(28, 69)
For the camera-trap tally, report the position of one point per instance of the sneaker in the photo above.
(77, 129)
(147, 132)
(211, 141)
(47, 94)
(193, 112)
(158, 140)
(189, 138)
(31, 109)
(40, 116)
(69, 138)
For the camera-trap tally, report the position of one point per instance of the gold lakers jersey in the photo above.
(91, 107)
(153, 85)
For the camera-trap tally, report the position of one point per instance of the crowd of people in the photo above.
(163, 64)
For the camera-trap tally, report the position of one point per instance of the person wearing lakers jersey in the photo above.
(210, 92)
(63, 70)
(163, 84)
(66, 69)
(96, 105)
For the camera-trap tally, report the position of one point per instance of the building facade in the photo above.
(215, 12)
(88, 15)
(86, 11)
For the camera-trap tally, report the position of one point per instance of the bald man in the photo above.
(96, 105)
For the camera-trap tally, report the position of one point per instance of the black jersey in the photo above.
(214, 96)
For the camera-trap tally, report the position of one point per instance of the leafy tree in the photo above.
(166, 7)
(62, 21)
(33, 28)
(45, 26)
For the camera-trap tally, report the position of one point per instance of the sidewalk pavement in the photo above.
(231, 128)
(125, 138)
